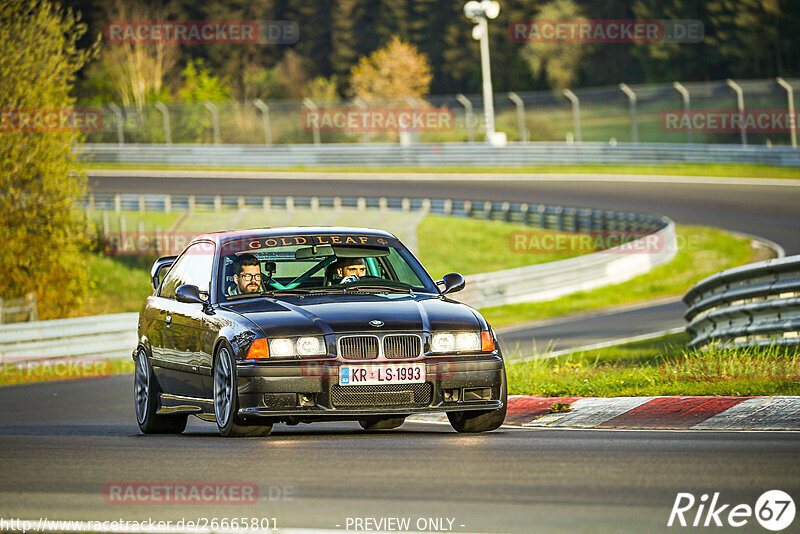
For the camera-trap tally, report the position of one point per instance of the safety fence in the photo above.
(618, 113)
(752, 305)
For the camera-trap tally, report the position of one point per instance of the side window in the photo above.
(174, 278)
(193, 267)
(198, 268)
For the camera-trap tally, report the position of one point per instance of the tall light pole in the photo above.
(480, 13)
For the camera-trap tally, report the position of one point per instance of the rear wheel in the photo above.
(382, 424)
(145, 394)
(226, 399)
(481, 421)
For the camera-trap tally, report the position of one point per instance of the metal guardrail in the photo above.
(752, 305)
(106, 336)
(551, 280)
(115, 335)
(435, 154)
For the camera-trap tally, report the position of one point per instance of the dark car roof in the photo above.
(222, 237)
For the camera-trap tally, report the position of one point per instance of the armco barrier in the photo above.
(106, 336)
(551, 280)
(115, 335)
(752, 305)
(435, 154)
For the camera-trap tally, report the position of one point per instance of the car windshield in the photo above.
(334, 263)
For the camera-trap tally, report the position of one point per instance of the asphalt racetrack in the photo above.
(62, 443)
(767, 208)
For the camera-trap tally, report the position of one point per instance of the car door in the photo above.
(190, 322)
(176, 366)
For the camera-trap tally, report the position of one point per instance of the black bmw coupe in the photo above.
(299, 325)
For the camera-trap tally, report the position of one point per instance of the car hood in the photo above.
(346, 313)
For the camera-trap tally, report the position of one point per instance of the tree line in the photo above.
(743, 39)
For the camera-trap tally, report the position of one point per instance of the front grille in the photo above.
(388, 395)
(358, 347)
(406, 346)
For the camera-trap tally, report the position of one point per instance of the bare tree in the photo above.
(137, 69)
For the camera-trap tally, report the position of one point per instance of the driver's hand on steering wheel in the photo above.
(350, 278)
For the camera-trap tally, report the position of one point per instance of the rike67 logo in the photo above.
(774, 510)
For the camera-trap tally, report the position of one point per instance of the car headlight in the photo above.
(309, 346)
(443, 342)
(468, 341)
(284, 347)
(281, 347)
(461, 342)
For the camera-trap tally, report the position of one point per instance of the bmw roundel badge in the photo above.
(376, 323)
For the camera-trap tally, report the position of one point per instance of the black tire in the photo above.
(481, 421)
(382, 423)
(226, 393)
(146, 393)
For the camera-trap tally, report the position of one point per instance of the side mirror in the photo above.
(452, 282)
(189, 294)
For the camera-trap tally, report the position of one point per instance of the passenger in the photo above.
(247, 275)
(350, 269)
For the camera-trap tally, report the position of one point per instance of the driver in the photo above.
(350, 269)
(247, 275)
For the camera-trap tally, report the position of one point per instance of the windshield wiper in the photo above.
(273, 293)
(244, 296)
(279, 292)
(380, 289)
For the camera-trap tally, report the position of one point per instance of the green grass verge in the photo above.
(703, 252)
(739, 171)
(659, 367)
(119, 283)
(63, 369)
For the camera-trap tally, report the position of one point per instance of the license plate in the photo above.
(390, 373)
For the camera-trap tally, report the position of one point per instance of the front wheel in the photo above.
(145, 394)
(481, 421)
(226, 399)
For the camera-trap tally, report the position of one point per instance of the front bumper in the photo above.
(310, 389)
